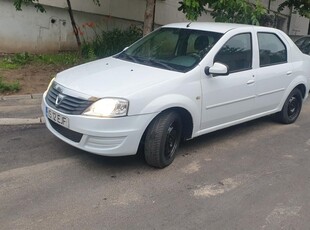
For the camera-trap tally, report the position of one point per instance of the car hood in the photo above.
(112, 77)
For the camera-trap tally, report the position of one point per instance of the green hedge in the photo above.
(107, 43)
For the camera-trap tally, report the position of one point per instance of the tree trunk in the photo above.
(149, 16)
(75, 29)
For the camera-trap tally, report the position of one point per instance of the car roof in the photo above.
(208, 26)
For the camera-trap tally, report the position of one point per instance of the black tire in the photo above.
(162, 139)
(291, 108)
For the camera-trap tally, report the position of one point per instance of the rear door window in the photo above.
(272, 50)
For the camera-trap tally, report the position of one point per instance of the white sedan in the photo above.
(179, 82)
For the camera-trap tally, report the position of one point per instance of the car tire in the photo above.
(291, 108)
(162, 139)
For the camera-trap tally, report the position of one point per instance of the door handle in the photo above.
(250, 82)
(289, 73)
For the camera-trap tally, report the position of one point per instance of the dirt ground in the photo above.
(33, 78)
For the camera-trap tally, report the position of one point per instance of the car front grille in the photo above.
(71, 135)
(68, 104)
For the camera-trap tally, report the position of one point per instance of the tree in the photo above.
(300, 6)
(240, 11)
(235, 11)
(149, 15)
(19, 3)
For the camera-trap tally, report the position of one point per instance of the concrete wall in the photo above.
(33, 31)
(129, 9)
(299, 25)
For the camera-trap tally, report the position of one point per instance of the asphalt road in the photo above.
(251, 176)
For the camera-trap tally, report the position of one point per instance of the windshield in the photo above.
(171, 48)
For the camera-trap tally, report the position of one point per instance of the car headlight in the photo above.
(108, 107)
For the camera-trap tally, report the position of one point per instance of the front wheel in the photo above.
(291, 107)
(162, 139)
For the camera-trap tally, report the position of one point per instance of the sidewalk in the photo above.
(21, 109)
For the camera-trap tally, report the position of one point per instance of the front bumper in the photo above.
(102, 136)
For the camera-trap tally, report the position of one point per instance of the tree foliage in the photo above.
(19, 4)
(300, 6)
(193, 8)
(238, 11)
(235, 11)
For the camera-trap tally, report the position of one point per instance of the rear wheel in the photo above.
(162, 139)
(291, 108)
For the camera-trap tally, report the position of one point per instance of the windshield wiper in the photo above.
(153, 62)
(158, 63)
(127, 57)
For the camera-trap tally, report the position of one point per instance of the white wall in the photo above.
(28, 30)
(299, 25)
(33, 31)
(166, 10)
(129, 9)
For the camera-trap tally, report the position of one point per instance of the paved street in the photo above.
(251, 176)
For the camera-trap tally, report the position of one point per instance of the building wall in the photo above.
(29, 31)
(299, 25)
(32, 31)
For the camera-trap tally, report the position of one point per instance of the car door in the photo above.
(228, 99)
(273, 72)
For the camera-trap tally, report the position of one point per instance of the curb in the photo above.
(22, 121)
(21, 97)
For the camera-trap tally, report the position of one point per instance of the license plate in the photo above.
(57, 118)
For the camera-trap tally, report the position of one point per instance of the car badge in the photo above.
(59, 99)
(58, 88)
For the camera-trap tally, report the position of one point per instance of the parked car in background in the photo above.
(303, 44)
(179, 82)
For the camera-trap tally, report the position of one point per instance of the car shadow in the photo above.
(93, 161)
(230, 132)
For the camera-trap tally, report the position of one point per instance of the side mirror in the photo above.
(218, 69)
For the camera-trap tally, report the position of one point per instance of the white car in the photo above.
(179, 82)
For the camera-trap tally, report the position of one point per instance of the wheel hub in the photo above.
(292, 106)
(171, 143)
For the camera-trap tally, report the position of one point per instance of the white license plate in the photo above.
(57, 118)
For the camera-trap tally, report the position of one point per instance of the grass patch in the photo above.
(9, 87)
(67, 59)
(15, 61)
(105, 43)
(6, 65)
(21, 59)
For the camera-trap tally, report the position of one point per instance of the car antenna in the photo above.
(188, 24)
